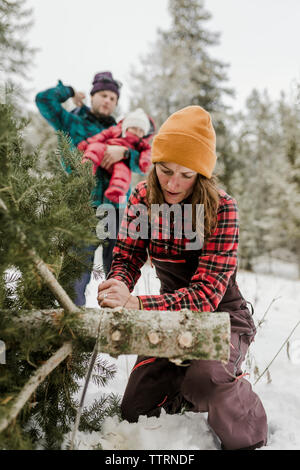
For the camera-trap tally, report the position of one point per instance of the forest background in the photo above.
(257, 141)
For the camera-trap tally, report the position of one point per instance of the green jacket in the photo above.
(79, 126)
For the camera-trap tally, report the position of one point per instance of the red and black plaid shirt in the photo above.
(217, 258)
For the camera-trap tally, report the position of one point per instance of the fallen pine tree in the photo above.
(179, 336)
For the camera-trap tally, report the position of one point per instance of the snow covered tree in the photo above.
(261, 181)
(289, 113)
(178, 70)
(15, 53)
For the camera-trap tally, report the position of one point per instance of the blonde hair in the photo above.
(205, 191)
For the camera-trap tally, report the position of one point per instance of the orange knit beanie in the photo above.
(188, 138)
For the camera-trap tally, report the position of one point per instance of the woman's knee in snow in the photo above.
(131, 413)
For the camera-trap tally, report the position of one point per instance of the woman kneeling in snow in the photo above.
(200, 277)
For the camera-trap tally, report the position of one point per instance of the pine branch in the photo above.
(37, 378)
(49, 279)
(282, 346)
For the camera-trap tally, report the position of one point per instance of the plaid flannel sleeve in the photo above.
(49, 103)
(217, 263)
(130, 252)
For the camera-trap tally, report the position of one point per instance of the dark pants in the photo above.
(81, 283)
(235, 412)
(107, 255)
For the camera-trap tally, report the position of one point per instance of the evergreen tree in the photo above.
(289, 114)
(44, 216)
(45, 219)
(39, 136)
(178, 70)
(16, 55)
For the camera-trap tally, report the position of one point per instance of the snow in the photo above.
(279, 389)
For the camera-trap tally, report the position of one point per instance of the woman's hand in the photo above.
(113, 154)
(113, 293)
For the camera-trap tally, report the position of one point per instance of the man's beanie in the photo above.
(188, 138)
(137, 118)
(105, 81)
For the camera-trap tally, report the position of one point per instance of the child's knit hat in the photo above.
(188, 138)
(137, 118)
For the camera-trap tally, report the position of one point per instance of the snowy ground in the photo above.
(279, 389)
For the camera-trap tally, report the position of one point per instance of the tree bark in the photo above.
(52, 283)
(179, 336)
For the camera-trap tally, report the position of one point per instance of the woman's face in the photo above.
(176, 181)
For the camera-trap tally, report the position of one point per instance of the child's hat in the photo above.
(137, 118)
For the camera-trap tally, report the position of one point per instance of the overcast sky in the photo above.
(260, 40)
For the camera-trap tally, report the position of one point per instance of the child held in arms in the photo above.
(133, 132)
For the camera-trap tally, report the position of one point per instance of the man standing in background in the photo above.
(79, 124)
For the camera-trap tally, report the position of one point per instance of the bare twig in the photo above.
(277, 352)
(265, 314)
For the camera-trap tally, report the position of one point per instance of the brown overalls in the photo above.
(235, 412)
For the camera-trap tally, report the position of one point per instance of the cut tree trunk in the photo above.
(179, 336)
(176, 335)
